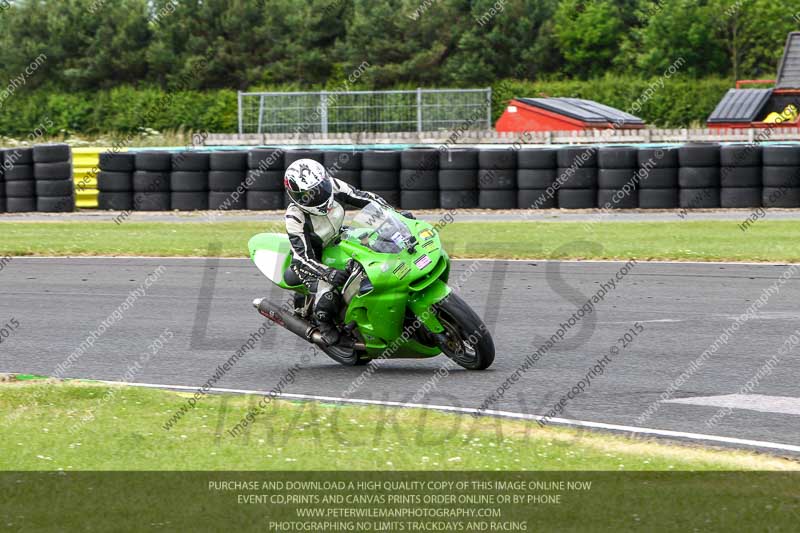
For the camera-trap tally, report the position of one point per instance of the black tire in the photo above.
(188, 181)
(781, 155)
(264, 200)
(380, 180)
(469, 344)
(616, 178)
(579, 156)
(228, 160)
(55, 187)
(577, 178)
(226, 201)
(780, 197)
(52, 171)
(780, 176)
(20, 189)
(380, 160)
(535, 199)
(537, 158)
(501, 179)
(265, 159)
(151, 182)
(264, 180)
(413, 200)
(2, 204)
(115, 201)
(188, 201)
(699, 155)
(190, 161)
(419, 159)
(698, 177)
(20, 205)
(419, 180)
(290, 156)
(497, 199)
(151, 201)
(617, 157)
(154, 161)
(701, 198)
(738, 177)
(55, 204)
(740, 197)
(458, 199)
(117, 162)
(19, 173)
(351, 177)
(740, 155)
(18, 156)
(540, 178)
(577, 198)
(660, 158)
(658, 198)
(659, 178)
(617, 199)
(392, 197)
(492, 159)
(108, 181)
(458, 159)
(51, 153)
(342, 159)
(225, 180)
(458, 180)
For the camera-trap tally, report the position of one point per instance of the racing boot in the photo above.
(326, 311)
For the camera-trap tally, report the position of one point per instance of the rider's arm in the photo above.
(345, 194)
(301, 248)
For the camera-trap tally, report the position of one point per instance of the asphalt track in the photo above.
(683, 308)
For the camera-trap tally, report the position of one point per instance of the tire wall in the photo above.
(37, 179)
(689, 176)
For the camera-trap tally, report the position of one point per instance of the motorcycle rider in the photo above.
(314, 221)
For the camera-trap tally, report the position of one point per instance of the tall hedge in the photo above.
(678, 103)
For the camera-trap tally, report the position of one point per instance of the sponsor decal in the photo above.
(422, 262)
(426, 234)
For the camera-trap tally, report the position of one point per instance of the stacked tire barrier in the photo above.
(695, 175)
(577, 170)
(419, 178)
(115, 181)
(381, 174)
(37, 179)
(780, 176)
(497, 179)
(699, 176)
(617, 177)
(458, 178)
(536, 173)
(658, 178)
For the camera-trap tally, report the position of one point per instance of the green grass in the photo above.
(86, 426)
(767, 240)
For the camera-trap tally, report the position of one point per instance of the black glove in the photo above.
(407, 214)
(336, 277)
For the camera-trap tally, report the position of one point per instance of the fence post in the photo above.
(419, 110)
(260, 112)
(239, 98)
(488, 108)
(323, 112)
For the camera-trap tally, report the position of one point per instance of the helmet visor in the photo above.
(316, 196)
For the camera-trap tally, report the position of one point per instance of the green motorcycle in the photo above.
(397, 303)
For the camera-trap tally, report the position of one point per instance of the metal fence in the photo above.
(365, 111)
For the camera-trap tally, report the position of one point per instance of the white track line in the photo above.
(504, 414)
(462, 259)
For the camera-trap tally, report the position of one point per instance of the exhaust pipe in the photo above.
(289, 321)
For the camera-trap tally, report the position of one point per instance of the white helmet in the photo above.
(309, 186)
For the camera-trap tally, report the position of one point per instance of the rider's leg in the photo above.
(327, 304)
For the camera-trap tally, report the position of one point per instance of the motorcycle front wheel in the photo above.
(468, 341)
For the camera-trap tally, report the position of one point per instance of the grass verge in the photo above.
(75, 426)
(768, 240)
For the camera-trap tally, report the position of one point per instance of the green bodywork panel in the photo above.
(401, 281)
